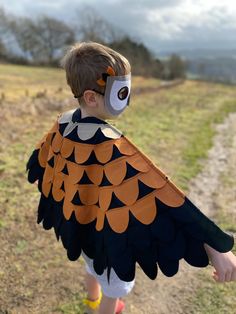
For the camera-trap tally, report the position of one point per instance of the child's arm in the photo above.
(224, 264)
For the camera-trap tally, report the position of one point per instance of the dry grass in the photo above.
(174, 127)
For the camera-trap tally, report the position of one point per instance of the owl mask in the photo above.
(117, 91)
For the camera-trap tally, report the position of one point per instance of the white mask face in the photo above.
(117, 93)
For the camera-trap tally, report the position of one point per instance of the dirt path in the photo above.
(171, 295)
(154, 89)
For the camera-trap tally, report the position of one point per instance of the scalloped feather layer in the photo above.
(92, 201)
(126, 201)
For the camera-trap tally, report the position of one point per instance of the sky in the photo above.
(162, 25)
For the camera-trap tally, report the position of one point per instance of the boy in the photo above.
(106, 199)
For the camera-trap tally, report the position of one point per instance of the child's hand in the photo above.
(224, 264)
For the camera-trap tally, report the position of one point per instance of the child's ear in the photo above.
(90, 98)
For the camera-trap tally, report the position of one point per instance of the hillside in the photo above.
(209, 64)
(175, 126)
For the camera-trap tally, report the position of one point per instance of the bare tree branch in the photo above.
(93, 27)
(43, 40)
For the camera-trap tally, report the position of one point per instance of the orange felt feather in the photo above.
(111, 71)
(96, 198)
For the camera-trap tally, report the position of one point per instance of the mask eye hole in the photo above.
(123, 93)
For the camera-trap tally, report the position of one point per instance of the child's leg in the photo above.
(93, 287)
(107, 305)
(111, 291)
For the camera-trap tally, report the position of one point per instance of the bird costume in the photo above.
(103, 195)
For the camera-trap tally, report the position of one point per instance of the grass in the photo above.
(214, 298)
(18, 82)
(74, 306)
(174, 127)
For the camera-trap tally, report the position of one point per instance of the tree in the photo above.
(25, 31)
(93, 27)
(3, 23)
(157, 68)
(140, 57)
(42, 41)
(53, 36)
(2, 51)
(175, 67)
(5, 31)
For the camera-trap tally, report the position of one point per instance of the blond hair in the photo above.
(85, 62)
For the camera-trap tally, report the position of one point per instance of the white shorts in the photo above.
(116, 288)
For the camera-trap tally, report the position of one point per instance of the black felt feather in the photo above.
(175, 233)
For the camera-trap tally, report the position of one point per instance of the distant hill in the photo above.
(216, 65)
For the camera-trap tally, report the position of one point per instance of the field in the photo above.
(174, 126)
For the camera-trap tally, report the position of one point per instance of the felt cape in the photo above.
(103, 195)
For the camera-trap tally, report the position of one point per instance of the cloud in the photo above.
(143, 4)
(160, 24)
(176, 24)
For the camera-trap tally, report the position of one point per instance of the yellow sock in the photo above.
(93, 304)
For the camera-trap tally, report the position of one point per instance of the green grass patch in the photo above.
(214, 298)
(226, 222)
(75, 305)
(175, 129)
(200, 142)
